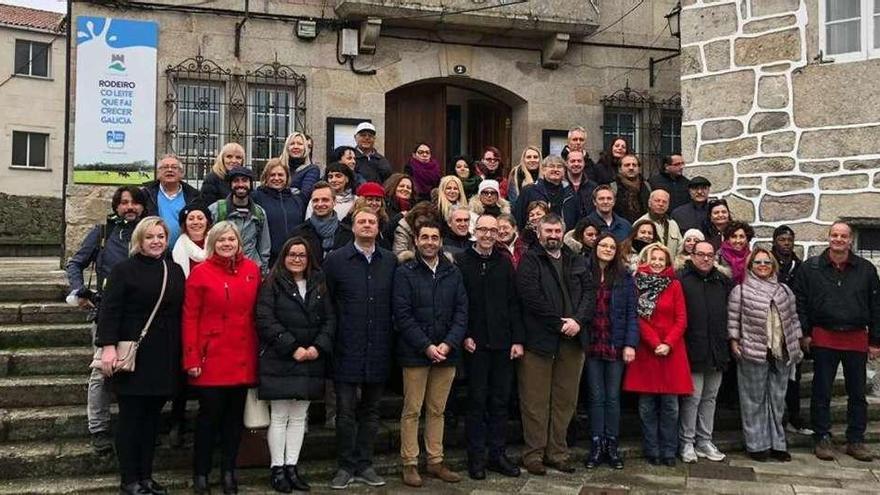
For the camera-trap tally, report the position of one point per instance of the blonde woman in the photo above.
(526, 172)
(296, 155)
(450, 192)
(215, 185)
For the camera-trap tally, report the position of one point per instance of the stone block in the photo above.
(824, 94)
(778, 142)
(844, 182)
(773, 164)
(861, 164)
(832, 143)
(717, 55)
(30, 220)
(691, 60)
(768, 121)
(789, 183)
(773, 92)
(721, 129)
(749, 181)
(776, 68)
(688, 143)
(713, 152)
(720, 175)
(700, 96)
(770, 24)
(702, 24)
(761, 8)
(741, 209)
(853, 205)
(750, 192)
(786, 208)
(768, 48)
(821, 167)
(876, 181)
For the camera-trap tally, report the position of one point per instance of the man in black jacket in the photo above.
(705, 290)
(324, 231)
(493, 341)
(692, 214)
(369, 163)
(671, 180)
(838, 303)
(168, 194)
(559, 299)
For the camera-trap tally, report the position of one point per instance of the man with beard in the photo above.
(105, 245)
(582, 186)
(457, 236)
(246, 215)
(559, 298)
(691, 215)
(168, 194)
(323, 230)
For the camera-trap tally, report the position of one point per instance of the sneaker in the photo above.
(798, 430)
(824, 450)
(341, 480)
(709, 451)
(369, 477)
(102, 442)
(859, 452)
(688, 454)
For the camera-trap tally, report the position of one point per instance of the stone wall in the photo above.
(30, 221)
(784, 138)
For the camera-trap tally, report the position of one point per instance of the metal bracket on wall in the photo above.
(239, 26)
(653, 62)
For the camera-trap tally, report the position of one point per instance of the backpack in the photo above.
(223, 212)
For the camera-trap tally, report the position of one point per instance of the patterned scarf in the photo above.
(650, 286)
(326, 229)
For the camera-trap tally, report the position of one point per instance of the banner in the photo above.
(115, 120)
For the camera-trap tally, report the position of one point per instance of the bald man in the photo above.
(658, 213)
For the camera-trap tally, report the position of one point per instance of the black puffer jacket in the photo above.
(286, 322)
(541, 298)
(706, 333)
(214, 188)
(493, 306)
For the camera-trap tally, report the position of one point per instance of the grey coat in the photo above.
(747, 312)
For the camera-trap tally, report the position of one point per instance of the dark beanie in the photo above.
(194, 206)
(781, 230)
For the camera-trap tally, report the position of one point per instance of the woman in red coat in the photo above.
(220, 349)
(660, 371)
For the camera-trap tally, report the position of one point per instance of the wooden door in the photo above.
(414, 114)
(489, 124)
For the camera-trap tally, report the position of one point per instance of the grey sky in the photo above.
(53, 5)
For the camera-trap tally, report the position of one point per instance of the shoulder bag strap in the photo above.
(158, 303)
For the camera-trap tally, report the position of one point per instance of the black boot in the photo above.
(132, 489)
(296, 481)
(229, 482)
(597, 453)
(612, 453)
(200, 485)
(503, 466)
(278, 480)
(151, 486)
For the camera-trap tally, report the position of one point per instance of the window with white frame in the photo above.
(670, 133)
(32, 58)
(850, 29)
(29, 149)
(199, 133)
(271, 117)
(620, 123)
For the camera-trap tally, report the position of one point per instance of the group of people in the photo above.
(524, 280)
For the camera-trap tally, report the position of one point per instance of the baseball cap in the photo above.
(365, 126)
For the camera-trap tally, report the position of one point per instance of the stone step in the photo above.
(76, 457)
(45, 313)
(43, 391)
(34, 290)
(17, 336)
(46, 361)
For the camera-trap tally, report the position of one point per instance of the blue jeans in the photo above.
(825, 363)
(659, 415)
(603, 388)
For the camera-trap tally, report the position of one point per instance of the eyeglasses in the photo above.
(554, 166)
(489, 193)
(703, 255)
(297, 256)
(423, 152)
(490, 159)
(487, 230)
(169, 167)
(762, 262)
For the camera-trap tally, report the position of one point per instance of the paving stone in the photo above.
(737, 487)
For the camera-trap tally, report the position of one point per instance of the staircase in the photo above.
(44, 444)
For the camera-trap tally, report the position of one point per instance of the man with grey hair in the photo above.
(658, 213)
(456, 235)
(577, 140)
(168, 194)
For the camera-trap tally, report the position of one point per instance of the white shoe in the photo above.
(688, 455)
(790, 428)
(709, 451)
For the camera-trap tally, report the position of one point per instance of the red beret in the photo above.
(369, 189)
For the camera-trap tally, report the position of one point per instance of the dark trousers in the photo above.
(659, 415)
(357, 423)
(825, 363)
(221, 412)
(603, 388)
(489, 378)
(178, 405)
(136, 432)
(793, 400)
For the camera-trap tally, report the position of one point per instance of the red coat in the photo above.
(670, 374)
(219, 334)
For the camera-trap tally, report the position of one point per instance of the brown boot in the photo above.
(536, 468)
(824, 450)
(859, 452)
(442, 472)
(411, 476)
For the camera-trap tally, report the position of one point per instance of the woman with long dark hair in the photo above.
(734, 251)
(296, 323)
(424, 170)
(462, 167)
(492, 166)
(643, 233)
(398, 194)
(606, 168)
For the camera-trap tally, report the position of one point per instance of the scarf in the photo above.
(326, 229)
(403, 205)
(631, 190)
(521, 177)
(493, 210)
(295, 163)
(186, 250)
(638, 245)
(736, 259)
(663, 222)
(425, 176)
(650, 286)
(471, 184)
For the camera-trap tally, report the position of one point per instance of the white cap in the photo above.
(365, 126)
(488, 184)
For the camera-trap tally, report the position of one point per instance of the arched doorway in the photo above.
(452, 116)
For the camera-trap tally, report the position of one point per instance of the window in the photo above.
(199, 125)
(29, 149)
(867, 238)
(270, 123)
(851, 29)
(620, 123)
(32, 58)
(670, 133)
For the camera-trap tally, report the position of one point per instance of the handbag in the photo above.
(256, 411)
(126, 350)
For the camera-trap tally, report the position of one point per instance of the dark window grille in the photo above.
(208, 105)
(29, 149)
(868, 241)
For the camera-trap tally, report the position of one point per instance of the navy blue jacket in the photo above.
(429, 309)
(284, 212)
(151, 193)
(361, 294)
(567, 205)
(304, 180)
(105, 253)
(624, 319)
